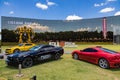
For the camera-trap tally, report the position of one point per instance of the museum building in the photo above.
(112, 24)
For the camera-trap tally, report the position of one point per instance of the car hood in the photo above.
(21, 54)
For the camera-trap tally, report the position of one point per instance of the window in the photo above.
(48, 46)
(20, 44)
(90, 50)
(28, 44)
(108, 51)
(35, 48)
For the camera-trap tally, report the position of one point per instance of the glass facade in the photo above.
(61, 25)
(112, 22)
(116, 35)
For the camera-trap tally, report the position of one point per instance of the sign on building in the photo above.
(63, 44)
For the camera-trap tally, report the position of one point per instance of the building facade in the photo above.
(116, 35)
(62, 25)
(11, 23)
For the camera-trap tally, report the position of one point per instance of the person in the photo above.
(1, 56)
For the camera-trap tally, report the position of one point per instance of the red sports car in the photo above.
(103, 57)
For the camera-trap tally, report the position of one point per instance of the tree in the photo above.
(9, 36)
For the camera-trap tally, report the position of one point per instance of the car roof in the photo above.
(96, 47)
(26, 43)
(101, 49)
(44, 45)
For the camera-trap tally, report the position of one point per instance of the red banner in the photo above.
(104, 28)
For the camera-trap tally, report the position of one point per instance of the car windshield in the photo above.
(109, 51)
(20, 44)
(35, 48)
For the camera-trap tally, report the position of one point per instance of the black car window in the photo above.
(20, 44)
(28, 44)
(89, 50)
(94, 50)
(48, 46)
(35, 48)
(45, 46)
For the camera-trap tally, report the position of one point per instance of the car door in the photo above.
(88, 54)
(45, 52)
(47, 49)
(84, 54)
(92, 56)
(21, 47)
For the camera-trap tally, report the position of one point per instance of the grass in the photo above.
(64, 69)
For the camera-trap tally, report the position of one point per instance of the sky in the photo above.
(59, 9)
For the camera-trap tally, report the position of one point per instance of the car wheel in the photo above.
(16, 50)
(57, 56)
(75, 56)
(27, 62)
(103, 63)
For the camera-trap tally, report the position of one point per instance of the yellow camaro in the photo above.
(19, 47)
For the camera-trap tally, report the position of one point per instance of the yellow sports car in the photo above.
(19, 47)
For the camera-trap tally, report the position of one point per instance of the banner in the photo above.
(104, 28)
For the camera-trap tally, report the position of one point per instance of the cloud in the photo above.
(73, 17)
(111, 0)
(38, 27)
(45, 6)
(84, 29)
(11, 12)
(6, 3)
(98, 5)
(103, 3)
(42, 28)
(50, 3)
(105, 10)
(41, 6)
(117, 13)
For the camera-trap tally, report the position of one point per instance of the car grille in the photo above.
(11, 58)
(7, 50)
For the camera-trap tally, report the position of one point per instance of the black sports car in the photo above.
(35, 54)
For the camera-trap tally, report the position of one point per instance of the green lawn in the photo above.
(64, 69)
